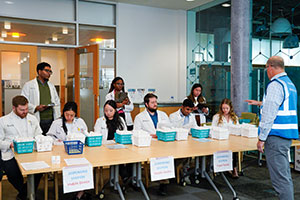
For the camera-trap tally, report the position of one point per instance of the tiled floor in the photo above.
(254, 184)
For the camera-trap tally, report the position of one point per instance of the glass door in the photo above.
(17, 66)
(86, 85)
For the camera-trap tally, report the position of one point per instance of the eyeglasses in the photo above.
(48, 70)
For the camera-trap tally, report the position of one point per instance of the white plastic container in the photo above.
(43, 143)
(181, 133)
(76, 136)
(250, 131)
(141, 138)
(234, 129)
(219, 133)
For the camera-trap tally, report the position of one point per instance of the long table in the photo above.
(102, 156)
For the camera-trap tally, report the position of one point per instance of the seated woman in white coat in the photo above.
(150, 117)
(183, 117)
(110, 122)
(124, 104)
(226, 116)
(69, 123)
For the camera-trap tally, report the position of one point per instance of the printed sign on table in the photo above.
(77, 178)
(162, 168)
(222, 161)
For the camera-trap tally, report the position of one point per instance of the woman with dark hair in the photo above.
(68, 123)
(123, 102)
(110, 122)
(226, 115)
(199, 102)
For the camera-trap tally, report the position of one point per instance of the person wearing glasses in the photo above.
(124, 104)
(43, 99)
(278, 126)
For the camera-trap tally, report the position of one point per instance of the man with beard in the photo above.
(44, 102)
(147, 121)
(17, 124)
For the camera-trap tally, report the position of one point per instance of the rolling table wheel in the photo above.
(236, 198)
(101, 195)
(197, 181)
(183, 183)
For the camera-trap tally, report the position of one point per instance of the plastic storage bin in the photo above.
(249, 130)
(73, 147)
(182, 134)
(23, 147)
(123, 137)
(93, 141)
(43, 143)
(141, 140)
(166, 136)
(234, 129)
(200, 132)
(219, 133)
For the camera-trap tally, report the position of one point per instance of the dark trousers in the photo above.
(14, 176)
(234, 159)
(45, 125)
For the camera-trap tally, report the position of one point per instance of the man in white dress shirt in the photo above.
(183, 117)
(17, 124)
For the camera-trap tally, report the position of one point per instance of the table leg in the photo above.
(205, 174)
(46, 187)
(56, 185)
(116, 182)
(30, 187)
(229, 185)
(112, 176)
(240, 160)
(140, 182)
(134, 179)
(97, 180)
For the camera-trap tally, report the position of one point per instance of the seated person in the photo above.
(68, 123)
(226, 116)
(19, 123)
(147, 121)
(150, 117)
(110, 122)
(183, 117)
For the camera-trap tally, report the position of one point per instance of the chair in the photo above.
(252, 116)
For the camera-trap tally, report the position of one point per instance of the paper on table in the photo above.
(76, 161)
(109, 142)
(203, 140)
(35, 165)
(116, 146)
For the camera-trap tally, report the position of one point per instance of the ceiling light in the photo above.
(28, 56)
(226, 5)
(15, 35)
(54, 38)
(281, 26)
(1, 39)
(46, 41)
(65, 30)
(9, 2)
(25, 59)
(21, 61)
(190, 0)
(97, 40)
(3, 34)
(7, 25)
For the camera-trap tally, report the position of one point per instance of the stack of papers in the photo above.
(35, 165)
(76, 161)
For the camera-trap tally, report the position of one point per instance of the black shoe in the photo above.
(162, 191)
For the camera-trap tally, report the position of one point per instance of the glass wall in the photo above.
(275, 31)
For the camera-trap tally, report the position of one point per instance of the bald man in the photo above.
(278, 126)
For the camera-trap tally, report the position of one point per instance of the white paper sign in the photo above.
(297, 158)
(77, 178)
(162, 168)
(222, 161)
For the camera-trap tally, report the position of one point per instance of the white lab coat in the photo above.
(11, 128)
(224, 121)
(127, 109)
(177, 120)
(101, 127)
(144, 122)
(32, 93)
(57, 132)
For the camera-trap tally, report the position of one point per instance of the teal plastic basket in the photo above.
(93, 141)
(204, 133)
(123, 138)
(166, 136)
(23, 147)
(74, 147)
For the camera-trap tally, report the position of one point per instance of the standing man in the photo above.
(183, 117)
(17, 124)
(278, 126)
(44, 102)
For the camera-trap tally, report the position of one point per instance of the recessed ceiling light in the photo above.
(1, 39)
(65, 30)
(4, 34)
(190, 0)
(226, 5)
(9, 2)
(46, 41)
(54, 38)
